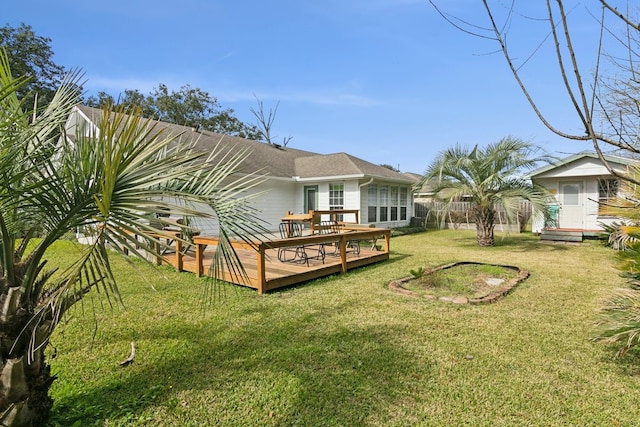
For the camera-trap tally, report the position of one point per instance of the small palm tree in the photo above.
(111, 180)
(488, 178)
(620, 324)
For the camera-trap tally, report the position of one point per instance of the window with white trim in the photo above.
(384, 203)
(403, 203)
(373, 203)
(393, 198)
(607, 192)
(336, 198)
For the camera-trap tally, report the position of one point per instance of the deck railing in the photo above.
(261, 283)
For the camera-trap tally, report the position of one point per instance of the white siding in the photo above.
(277, 198)
(351, 195)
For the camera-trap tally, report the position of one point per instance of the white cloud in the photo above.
(345, 95)
(317, 96)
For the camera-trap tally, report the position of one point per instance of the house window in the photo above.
(393, 197)
(384, 203)
(336, 198)
(373, 203)
(403, 203)
(607, 191)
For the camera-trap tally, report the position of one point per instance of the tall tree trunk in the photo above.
(485, 223)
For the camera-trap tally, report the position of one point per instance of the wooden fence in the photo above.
(435, 215)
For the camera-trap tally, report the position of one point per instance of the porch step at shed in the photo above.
(562, 235)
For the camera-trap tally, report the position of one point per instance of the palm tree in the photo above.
(110, 180)
(488, 178)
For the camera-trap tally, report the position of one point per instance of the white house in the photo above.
(580, 185)
(299, 181)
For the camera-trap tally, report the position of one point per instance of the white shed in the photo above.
(580, 184)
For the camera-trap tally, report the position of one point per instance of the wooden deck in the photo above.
(266, 272)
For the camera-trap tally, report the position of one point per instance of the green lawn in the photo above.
(346, 351)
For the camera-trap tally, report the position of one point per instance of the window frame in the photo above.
(607, 192)
(372, 211)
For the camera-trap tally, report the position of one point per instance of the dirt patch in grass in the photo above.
(461, 282)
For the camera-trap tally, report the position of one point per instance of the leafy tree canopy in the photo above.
(188, 107)
(31, 56)
(390, 167)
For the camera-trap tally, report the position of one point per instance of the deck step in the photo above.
(562, 235)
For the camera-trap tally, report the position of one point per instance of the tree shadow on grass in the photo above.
(532, 243)
(271, 371)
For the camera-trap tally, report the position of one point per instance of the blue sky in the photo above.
(388, 81)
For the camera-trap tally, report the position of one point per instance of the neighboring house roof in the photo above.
(612, 160)
(277, 161)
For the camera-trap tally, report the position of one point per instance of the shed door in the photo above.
(571, 205)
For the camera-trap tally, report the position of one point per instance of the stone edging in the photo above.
(397, 285)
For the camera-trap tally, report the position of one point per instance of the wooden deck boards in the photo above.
(277, 273)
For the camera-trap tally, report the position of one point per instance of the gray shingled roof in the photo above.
(572, 158)
(278, 161)
(343, 164)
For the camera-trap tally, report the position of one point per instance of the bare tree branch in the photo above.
(625, 18)
(516, 74)
(617, 103)
(266, 122)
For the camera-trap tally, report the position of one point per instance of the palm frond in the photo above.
(621, 326)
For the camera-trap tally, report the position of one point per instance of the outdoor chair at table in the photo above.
(330, 227)
(297, 253)
(187, 233)
(334, 227)
(165, 236)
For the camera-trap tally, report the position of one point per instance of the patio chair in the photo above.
(292, 253)
(188, 233)
(334, 227)
(298, 253)
(330, 227)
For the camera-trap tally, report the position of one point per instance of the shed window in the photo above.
(607, 191)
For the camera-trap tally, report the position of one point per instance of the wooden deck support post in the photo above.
(156, 251)
(387, 241)
(199, 256)
(261, 270)
(343, 253)
(179, 264)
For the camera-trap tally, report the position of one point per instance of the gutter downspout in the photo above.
(365, 183)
